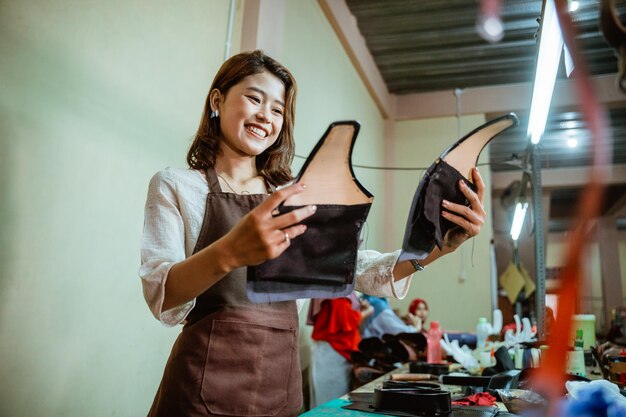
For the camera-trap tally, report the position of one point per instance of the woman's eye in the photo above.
(254, 99)
(278, 111)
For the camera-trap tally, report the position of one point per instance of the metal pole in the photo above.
(229, 31)
(540, 252)
(494, 276)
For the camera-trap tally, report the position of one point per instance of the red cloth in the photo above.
(482, 398)
(338, 324)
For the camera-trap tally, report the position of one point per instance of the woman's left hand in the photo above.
(468, 219)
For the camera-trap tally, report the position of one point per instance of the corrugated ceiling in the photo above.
(433, 45)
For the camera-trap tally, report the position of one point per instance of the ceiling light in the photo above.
(518, 219)
(493, 28)
(572, 142)
(550, 47)
(568, 60)
(573, 6)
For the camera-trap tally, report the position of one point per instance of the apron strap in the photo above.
(211, 178)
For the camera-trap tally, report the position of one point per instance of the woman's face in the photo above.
(251, 115)
(422, 312)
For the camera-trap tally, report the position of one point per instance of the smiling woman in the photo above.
(204, 226)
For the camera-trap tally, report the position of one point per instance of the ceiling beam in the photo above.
(263, 26)
(494, 99)
(560, 177)
(345, 26)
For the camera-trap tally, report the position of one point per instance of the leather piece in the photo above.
(428, 227)
(418, 401)
(456, 411)
(389, 384)
(320, 263)
(338, 252)
(425, 227)
(408, 398)
(442, 185)
(429, 368)
(414, 399)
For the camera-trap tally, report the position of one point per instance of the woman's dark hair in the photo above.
(274, 164)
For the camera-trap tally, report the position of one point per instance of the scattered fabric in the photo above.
(482, 398)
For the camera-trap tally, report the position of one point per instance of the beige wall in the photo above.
(456, 287)
(95, 97)
(592, 285)
(592, 290)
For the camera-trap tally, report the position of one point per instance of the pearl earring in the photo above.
(214, 114)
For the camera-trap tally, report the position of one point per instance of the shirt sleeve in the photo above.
(374, 275)
(162, 245)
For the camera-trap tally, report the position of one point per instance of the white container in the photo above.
(482, 332)
(575, 362)
(486, 359)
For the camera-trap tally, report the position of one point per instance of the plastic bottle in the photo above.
(579, 341)
(433, 352)
(482, 332)
(576, 356)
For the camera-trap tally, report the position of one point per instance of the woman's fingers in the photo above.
(476, 203)
(469, 228)
(261, 235)
(268, 206)
(284, 236)
(293, 231)
(293, 217)
(472, 213)
(469, 218)
(480, 184)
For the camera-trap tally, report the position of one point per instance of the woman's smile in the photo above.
(257, 130)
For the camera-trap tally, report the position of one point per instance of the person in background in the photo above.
(335, 336)
(549, 321)
(384, 320)
(417, 315)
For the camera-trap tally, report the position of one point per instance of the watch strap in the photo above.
(418, 267)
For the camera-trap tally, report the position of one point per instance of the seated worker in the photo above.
(417, 315)
(335, 336)
(383, 320)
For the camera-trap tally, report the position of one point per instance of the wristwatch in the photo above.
(418, 267)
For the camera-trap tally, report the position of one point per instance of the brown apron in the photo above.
(232, 358)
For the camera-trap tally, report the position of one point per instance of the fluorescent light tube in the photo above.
(518, 219)
(550, 47)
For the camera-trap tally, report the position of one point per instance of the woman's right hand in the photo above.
(260, 235)
(257, 237)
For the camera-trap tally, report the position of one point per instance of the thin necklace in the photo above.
(230, 186)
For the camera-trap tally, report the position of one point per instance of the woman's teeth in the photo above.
(257, 131)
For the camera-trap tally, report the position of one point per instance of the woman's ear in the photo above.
(215, 98)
